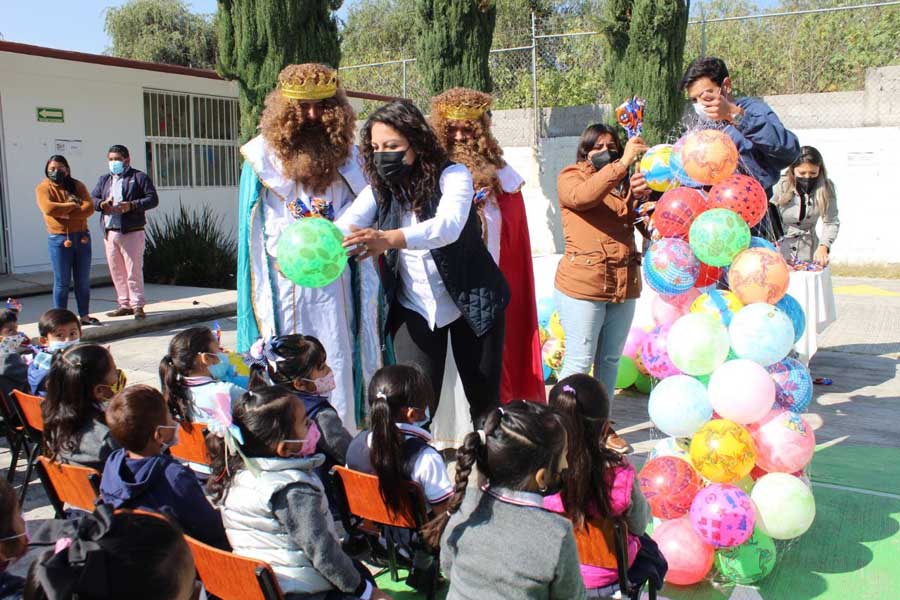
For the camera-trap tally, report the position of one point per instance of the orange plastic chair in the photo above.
(605, 544)
(69, 484)
(15, 435)
(191, 445)
(28, 410)
(232, 577)
(361, 504)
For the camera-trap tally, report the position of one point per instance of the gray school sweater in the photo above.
(503, 545)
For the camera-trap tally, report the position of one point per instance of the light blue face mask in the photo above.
(116, 167)
(60, 345)
(221, 369)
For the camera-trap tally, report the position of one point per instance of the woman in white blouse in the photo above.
(418, 220)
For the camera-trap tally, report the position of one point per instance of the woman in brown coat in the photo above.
(67, 204)
(598, 280)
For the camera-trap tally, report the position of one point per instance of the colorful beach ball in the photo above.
(748, 563)
(677, 166)
(655, 165)
(792, 309)
(721, 304)
(793, 384)
(709, 156)
(723, 515)
(742, 194)
(717, 236)
(670, 267)
(758, 275)
(761, 333)
(723, 451)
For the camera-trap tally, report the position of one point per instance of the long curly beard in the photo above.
(484, 172)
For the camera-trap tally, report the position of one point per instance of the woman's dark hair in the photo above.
(70, 401)
(55, 318)
(392, 389)
(69, 182)
(416, 191)
(133, 416)
(8, 315)
(302, 355)
(177, 364)
(589, 138)
(823, 190)
(583, 404)
(144, 557)
(520, 439)
(706, 66)
(265, 417)
(9, 510)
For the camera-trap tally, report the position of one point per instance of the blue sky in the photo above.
(69, 25)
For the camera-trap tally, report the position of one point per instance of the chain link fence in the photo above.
(559, 60)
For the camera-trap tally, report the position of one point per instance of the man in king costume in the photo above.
(461, 118)
(304, 165)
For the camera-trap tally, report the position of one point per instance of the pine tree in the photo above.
(454, 43)
(646, 41)
(258, 38)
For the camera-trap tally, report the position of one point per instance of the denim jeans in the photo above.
(595, 335)
(67, 262)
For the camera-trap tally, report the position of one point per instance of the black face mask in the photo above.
(57, 177)
(805, 184)
(390, 165)
(603, 158)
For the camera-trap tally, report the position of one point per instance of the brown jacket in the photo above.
(61, 214)
(601, 262)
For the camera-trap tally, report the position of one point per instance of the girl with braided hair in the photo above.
(503, 543)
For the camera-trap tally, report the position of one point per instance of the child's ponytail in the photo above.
(178, 364)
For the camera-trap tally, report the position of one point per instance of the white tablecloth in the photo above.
(814, 293)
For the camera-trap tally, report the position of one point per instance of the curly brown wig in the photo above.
(415, 191)
(481, 154)
(310, 151)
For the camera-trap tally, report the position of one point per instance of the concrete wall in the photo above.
(103, 105)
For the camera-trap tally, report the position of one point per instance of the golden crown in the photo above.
(316, 86)
(463, 113)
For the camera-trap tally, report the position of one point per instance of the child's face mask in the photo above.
(57, 345)
(304, 447)
(325, 384)
(172, 441)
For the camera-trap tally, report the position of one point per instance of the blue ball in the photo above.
(793, 385)
(545, 308)
(670, 266)
(790, 306)
(758, 242)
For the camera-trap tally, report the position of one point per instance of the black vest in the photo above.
(471, 276)
(358, 453)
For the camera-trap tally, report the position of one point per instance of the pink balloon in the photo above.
(689, 557)
(723, 515)
(656, 358)
(784, 441)
(634, 341)
(741, 391)
(682, 301)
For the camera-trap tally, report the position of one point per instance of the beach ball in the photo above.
(310, 252)
(697, 343)
(677, 166)
(643, 383)
(654, 356)
(689, 557)
(748, 563)
(741, 391)
(717, 236)
(708, 275)
(784, 441)
(722, 451)
(758, 242)
(634, 341)
(758, 275)
(656, 169)
(669, 484)
(723, 515)
(555, 328)
(671, 446)
(679, 405)
(545, 308)
(553, 353)
(761, 333)
(793, 384)
(709, 156)
(627, 373)
(785, 507)
(670, 267)
(742, 194)
(794, 311)
(676, 210)
(721, 304)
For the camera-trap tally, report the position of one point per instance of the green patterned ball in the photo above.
(310, 252)
(718, 235)
(749, 562)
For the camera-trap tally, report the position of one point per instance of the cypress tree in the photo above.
(646, 44)
(454, 42)
(258, 38)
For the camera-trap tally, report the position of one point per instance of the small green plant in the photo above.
(192, 248)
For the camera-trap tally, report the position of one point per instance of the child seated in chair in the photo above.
(142, 475)
(58, 329)
(273, 503)
(13, 345)
(600, 483)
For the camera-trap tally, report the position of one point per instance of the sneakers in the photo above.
(617, 444)
(87, 320)
(139, 314)
(122, 311)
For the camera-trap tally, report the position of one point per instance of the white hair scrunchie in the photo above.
(482, 435)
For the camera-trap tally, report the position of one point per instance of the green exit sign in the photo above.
(50, 115)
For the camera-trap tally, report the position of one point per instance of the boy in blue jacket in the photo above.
(58, 329)
(142, 475)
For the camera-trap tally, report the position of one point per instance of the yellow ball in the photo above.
(656, 167)
(705, 304)
(723, 451)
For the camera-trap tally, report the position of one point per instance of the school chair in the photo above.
(191, 446)
(605, 544)
(15, 435)
(232, 577)
(69, 484)
(28, 410)
(361, 504)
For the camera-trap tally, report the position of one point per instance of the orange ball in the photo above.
(709, 156)
(759, 275)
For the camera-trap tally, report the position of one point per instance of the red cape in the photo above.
(523, 377)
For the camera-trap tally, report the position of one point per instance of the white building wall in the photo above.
(103, 105)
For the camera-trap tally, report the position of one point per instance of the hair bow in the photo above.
(221, 424)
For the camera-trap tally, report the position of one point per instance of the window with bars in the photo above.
(191, 141)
